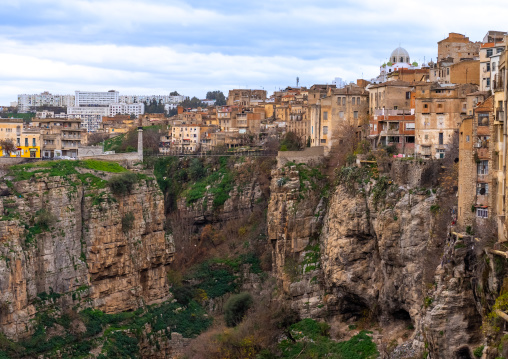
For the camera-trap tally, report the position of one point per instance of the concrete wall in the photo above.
(127, 159)
(310, 155)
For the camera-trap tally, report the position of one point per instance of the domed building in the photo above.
(400, 55)
(399, 59)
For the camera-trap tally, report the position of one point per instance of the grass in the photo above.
(313, 341)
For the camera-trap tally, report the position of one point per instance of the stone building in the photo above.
(245, 97)
(345, 106)
(478, 166)
(457, 47)
(60, 137)
(439, 111)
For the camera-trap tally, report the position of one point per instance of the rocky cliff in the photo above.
(386, 256)
(67, 237)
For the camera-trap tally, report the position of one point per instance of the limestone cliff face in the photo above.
(79, 245)
(380, 259)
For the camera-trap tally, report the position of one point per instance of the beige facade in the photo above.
(246, 97)
(439, 111)
(457, 47)
(60, 137)
(348, 105)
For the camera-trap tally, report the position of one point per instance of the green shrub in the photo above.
(434, 208)
(236, 307)
(127, 222)
(183, 294)
(478, 351)
(45, 219)
(123, 184)
(469, 230)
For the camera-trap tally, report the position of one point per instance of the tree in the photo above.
(192, 103)
(8, 146)
(218, 96)
(291, 142)
(174, 93)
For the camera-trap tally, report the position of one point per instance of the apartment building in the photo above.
(90, 98)
(478, 167)
(457, 47)
(30, 102)
(245, 97)
(91, 117)
(183, 138)
(119, 108)
(348, 105)
(59, 137)
(25, 138)
(439, 111)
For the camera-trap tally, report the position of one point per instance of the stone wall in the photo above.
(310, 155)
(415, 173)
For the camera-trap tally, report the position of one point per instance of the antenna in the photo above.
(297, 81)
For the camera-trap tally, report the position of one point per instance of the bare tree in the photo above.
(96, 137)
(8, 146)
(343, 143)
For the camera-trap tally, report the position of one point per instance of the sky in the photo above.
(147, 47)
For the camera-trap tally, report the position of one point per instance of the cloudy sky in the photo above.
(157, 46)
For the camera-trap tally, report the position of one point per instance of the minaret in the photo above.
(140, 143)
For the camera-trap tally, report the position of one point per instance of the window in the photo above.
(441, 138)
(33, 142)
(341, 114)
(26, 142)
(483, 119)
(482, 213)
(323, 140)
(467, 138)
(17, 141)
(357, 100)
(312, 130)
(344, 101)
(488, 66)
(447, 70)
(425, 106)
(410, 139)
(489, 52)
(355, 115)
(410, 126)
(488, 81)
(493, 66)
(353, 100)
(325, 115)
(408, 95)
(426, 137)
(482, 189)
(483, 168)
(325, 130)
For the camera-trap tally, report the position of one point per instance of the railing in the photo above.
(385, 112)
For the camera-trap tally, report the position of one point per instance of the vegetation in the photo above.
(236, 307)
(218, 96)
(128, 142)
(291, 142)
(123, 184)
(311, 340)
(127, 222)
(8, 146)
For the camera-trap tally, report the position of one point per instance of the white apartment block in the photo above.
(87, 98)
(149, 98)
(27, 102)
(135, 109)
(91, 117)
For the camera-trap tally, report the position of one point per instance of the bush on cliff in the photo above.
(123, 184)
(236, 307)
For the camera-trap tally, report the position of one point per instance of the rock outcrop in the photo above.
(80, 245)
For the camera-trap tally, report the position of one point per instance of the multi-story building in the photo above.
(91, 117)
(489, 64)
(245, 97)
(164, 99)
(26, 139)
(184, 138)
(135, 109)
(439, 111)
(31, 102)
(457, 47)
(59, 137)
(89, 98)
(478, 168)
(345, 106)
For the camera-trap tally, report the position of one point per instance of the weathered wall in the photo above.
(310, 155)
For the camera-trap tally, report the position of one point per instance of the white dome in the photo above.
(400, 55)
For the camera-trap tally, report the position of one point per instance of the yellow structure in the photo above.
(26, 139)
